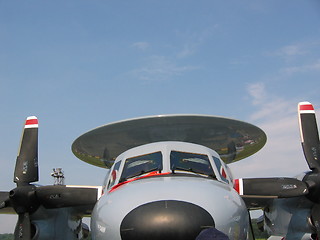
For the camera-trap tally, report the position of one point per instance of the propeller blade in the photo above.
(26, 170)
(4, 200)
(23, 227)
(58, 196)
(315, 216)
(4, 197)
(270, 187)
(309, 135)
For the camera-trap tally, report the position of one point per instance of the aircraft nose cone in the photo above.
(166, 219)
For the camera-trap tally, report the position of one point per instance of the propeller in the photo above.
(255, 191)
(311, 148)
(22, 198)
(26, 198)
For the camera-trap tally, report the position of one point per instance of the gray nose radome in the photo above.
(167, 220)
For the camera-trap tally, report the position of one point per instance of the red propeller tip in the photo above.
(306, 107)
(31, 122)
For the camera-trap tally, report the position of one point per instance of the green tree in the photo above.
(6, 236)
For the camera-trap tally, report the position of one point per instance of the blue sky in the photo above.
(80, 64)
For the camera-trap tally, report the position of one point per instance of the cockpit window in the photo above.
(222, 171)
(114, 174)
(191, 162)
(142, 164)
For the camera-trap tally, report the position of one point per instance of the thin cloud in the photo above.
(160, 68)
(282, 155)
(187, 50)
(141, 45)
(257, 92)
(290, 52)
(303, 68)
(193, 41)
(272, 109)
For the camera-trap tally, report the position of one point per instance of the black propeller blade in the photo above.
(4, 200)
(23, 227)
(315, 216)
(309, 135)
(26, 170)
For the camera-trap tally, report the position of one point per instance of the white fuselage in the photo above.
(212, 194)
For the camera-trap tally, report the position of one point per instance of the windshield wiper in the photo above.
(143, 171)
(174, 168)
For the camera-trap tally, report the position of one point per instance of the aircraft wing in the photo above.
(8, 210)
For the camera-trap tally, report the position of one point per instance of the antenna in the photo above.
(58, 176)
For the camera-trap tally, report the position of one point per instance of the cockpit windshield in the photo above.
(142, 164)
(191, 162)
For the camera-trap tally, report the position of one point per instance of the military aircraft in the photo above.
(168, 178)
